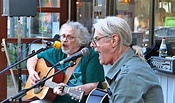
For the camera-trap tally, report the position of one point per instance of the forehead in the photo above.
(97, 33)
(67, 30)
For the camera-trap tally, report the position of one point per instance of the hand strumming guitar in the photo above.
(33, 75)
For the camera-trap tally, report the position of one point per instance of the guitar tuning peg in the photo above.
(71, 94)
(77, 97)
(2, 44)
(2, 49)
(72, 97)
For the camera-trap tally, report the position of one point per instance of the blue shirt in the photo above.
(131, 80)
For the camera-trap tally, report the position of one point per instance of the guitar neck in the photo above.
(52, 85)
(75, 93)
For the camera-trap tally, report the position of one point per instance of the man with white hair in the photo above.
(129, 77)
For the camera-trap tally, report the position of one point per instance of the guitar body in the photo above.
(45, 93)
(97, 96)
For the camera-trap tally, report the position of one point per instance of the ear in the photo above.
(115, 40)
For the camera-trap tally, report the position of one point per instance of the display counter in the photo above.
(167, 81)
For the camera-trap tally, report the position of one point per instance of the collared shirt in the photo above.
(131, 80)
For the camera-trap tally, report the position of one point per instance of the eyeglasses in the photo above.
(95, 40)
(68, 37)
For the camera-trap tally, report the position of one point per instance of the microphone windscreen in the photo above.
(56, 38)
(57, 45)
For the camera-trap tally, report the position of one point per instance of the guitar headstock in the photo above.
(75, 93)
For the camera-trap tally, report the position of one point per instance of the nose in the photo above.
(64, 39)
(92, 45)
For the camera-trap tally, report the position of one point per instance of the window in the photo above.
(22, 31)
(165, 23)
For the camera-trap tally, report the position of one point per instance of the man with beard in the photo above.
(74, 36)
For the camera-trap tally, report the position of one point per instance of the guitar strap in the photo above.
(70, 70)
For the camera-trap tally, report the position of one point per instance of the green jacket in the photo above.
(88, 70)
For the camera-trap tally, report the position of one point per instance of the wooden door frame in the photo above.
(3, 62)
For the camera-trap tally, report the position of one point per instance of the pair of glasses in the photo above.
(95, 40)
(68, 37)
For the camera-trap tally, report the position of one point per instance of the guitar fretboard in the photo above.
(76, 93)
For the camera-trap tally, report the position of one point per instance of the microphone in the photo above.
(82, 52)
(55, 44)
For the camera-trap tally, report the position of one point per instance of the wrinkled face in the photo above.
(69, 41)
(106, 46)
(102, 46)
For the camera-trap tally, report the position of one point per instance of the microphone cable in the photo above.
(25, 50)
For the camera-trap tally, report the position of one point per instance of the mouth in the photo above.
(99, 53)
(64, 46)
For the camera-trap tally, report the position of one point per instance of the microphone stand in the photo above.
(31, 55)
(22, 93)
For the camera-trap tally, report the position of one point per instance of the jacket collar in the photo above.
(115, 68)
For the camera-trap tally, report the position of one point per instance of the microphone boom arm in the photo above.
(29, 56)
(40, 83)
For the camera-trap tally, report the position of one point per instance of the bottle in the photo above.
(144, 48)
(163, 48)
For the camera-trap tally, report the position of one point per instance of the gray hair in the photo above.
(81, 32)
(116, 25)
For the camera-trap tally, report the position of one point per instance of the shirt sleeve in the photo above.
(52, 55)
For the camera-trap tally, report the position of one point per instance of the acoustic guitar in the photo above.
(42, 68)
(97, 96)
(76, 93)
(45, 92)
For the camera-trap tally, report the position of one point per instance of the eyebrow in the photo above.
(97, 36)
(67, 34)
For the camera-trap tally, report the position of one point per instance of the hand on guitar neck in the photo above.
(44, 92)
(59, 89)
(75, 93)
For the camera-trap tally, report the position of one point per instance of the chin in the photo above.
(65, 51)
(103, 63)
